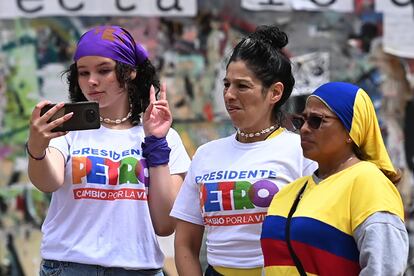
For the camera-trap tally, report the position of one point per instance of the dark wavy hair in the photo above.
(262, 53)
(138, 88)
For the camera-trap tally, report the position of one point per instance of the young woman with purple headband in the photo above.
(112, 187)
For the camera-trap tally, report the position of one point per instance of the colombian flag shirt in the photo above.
(324, 222)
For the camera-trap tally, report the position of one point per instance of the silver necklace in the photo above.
(256, 134)
(117, 121)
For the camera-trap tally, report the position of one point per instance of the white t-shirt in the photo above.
(233, 184)
(100, 215)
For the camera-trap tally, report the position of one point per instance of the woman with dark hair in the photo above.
(347, 218)
(112, 187)
(231, 181)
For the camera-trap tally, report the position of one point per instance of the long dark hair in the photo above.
(138, 88)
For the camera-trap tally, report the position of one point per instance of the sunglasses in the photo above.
(314, 121)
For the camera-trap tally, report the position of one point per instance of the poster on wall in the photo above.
(398, 24)
(394, 6)
(398, 38)
(266, 5)
(310, 5)
(41, 8)
(310, 71)
(318, 5)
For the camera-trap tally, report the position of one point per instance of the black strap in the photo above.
(210, 271)
(295, 258)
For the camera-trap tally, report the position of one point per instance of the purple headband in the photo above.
(112, 42)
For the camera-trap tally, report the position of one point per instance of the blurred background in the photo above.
(366, 42)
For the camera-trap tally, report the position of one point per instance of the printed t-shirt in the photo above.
(100, 215)
(233, 183)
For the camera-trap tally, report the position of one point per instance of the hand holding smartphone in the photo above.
(85, 116)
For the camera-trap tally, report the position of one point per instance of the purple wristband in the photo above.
(156, 151)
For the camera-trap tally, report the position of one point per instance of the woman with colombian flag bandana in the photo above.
(113, 187)
(347, 218)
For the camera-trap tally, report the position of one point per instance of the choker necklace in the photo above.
(116, 121)
(256, 134)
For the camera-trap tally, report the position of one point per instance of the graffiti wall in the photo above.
(190, 50)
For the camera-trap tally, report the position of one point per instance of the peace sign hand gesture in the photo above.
(157, 117)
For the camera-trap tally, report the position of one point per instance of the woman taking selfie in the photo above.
(112, 187)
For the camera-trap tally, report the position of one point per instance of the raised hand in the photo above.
(157, 118)
(40, 131)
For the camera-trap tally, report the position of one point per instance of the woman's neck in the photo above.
(331, 167)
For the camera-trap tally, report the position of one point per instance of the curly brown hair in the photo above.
(138, 88)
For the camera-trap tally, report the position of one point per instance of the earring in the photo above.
(349, 140)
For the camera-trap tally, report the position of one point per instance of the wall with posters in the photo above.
(189, 41)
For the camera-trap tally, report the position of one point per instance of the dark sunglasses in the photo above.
(314, 121)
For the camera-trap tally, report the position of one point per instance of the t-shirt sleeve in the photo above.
(309, 167)
(373, 192)
(187, 204)
(179, 159)
(62, 144)
(382, 241)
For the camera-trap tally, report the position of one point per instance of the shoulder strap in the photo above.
(295, 258)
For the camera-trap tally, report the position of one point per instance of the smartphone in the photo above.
(85, 116)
